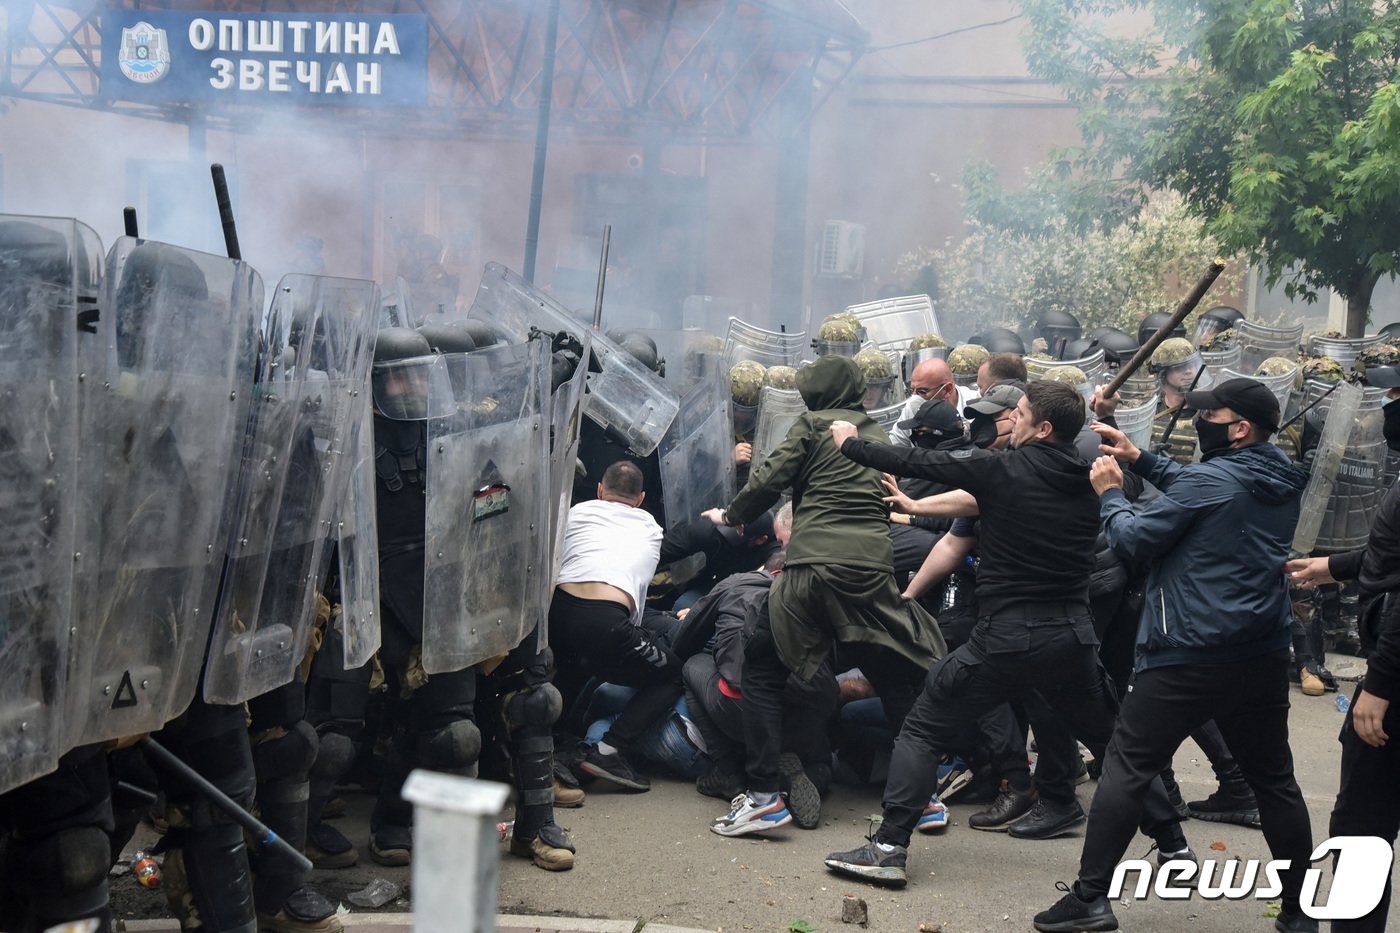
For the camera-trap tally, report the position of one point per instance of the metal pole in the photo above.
(532, 229)
(602, 277)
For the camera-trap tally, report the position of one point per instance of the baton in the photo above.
(1188, 304)
(602, 278)
(225, 212)
(129, 218)
(218, 798)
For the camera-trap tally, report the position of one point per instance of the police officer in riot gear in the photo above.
(1057, 328)
(1153, 323)
(1214, 321)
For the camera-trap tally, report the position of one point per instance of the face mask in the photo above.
(983, 432)
(1391, 410)
(1214, 436)
(924, 439)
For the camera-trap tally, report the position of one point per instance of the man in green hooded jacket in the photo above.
(838, 585)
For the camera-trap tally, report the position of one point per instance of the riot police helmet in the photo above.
(1153, 323)
(1000, 340)
(1118, 346)
(1214, 321)
(401, 377)
(447, 336)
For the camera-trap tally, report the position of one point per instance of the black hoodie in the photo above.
(1039, 516)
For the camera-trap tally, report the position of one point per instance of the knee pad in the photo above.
(335, 754)
(289, 755)
(539, 706)
(68, 870)
(454, 746)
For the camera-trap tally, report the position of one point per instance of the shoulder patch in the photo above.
(961, 454)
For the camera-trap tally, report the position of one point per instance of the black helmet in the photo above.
(1391, 332)
(1057, 328)
(1153, 323)
(447, 336)
(1118, 347)
(1212, 322)
(1000, 340)
(1078, 349)
(402, 374)
(643, 348)
(400, 343)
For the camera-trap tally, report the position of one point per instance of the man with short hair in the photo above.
(611, 546)
(999, 368)
(930, 379)
(1039, 520)
(1213, 637)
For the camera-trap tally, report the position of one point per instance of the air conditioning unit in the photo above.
(842, 250)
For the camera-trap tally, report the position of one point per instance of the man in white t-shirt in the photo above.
(930, 379)
(611, 546)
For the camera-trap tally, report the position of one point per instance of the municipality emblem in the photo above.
(144, 56)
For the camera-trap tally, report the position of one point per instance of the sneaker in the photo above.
(1009, 806)
(873, 862)
(1047, 820)
(746, 816)
(953, 776)
(1072, 913)
(1294, 921)
(1329, 680)
(391, 845)
(803, 801)
(305, 911)
(720, 781)
(551, 849)
(327, 847)
(1184, 882)
(566, 796)
(1311, 683)
(1224, 806)
(613, 767)
(934, 818)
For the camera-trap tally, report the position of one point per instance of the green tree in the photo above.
(1278, 121)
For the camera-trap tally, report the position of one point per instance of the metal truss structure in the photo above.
(741, 70)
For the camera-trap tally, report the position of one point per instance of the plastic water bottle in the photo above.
(1343, 704)
(146, 869)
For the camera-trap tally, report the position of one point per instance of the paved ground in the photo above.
(650, 859)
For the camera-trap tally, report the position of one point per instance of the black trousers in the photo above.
(596, 638)
(1249, 702)
(1005, 658)
(1368, 802)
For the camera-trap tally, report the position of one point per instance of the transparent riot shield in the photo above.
(626, 399)
(697, 454)
(486, 541)
(887, 417)
(161, 439)
(744, 341)
(263, 625)
(357, 543)
(50, 270)
(566, 420)
(778, 411)
(1360, 482)
(1259, 342)
(1344, 404)
(892, 323)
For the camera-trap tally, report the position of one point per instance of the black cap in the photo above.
(1248, 398)
(936, 417)
(1383, 377)
(998, 399)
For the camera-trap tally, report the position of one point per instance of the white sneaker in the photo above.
(745, 816)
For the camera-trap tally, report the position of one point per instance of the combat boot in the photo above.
(550, 849)
(1009, 806)
(304, 911)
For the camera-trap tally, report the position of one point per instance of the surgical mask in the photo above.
(1213, 435)
(1391, 410)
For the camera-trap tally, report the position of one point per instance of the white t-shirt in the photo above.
(612, 543)
(900, 438)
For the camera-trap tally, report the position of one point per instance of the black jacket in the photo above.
(725, 552)
(727, 614)
(1039, 515)
(1376, 568)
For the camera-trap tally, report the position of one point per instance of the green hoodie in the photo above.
(838, 510)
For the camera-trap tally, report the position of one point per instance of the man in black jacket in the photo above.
(1039, 520)
(1367, 801)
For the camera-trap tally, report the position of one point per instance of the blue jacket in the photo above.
(1214, 544)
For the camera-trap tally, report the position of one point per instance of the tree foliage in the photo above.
(1278, 122)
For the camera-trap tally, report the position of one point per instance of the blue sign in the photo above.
(159, 56)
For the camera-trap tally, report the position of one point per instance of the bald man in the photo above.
(931, 379)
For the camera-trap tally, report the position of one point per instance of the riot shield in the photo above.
(50, 270)
(566, 419)
(1259, 342)
(487, 511)
(697, 454)
(747, 342)
(263, 625)
(357, 540)
(888, 416)
(892, 323)
(778, 411)
(1322, 481)
(162, 436)
(628, 400)
(1359, 485)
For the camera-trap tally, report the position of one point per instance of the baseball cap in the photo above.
(998, 399)
(936, 417)
(1248, 398)
(1383, 377)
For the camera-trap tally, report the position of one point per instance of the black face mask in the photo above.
(1391, 410)
(1214, 436)
(983, 431)
(924, 439)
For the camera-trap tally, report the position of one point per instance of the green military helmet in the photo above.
(1379, 354)
(839, 329)
(1069, 375)
(964, 360)
(874, 364)
(782, 377)
(746, 379)
(1275, 366)
(1322, 367)
(1172, 352)
(927, 341)
(1222, 340)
